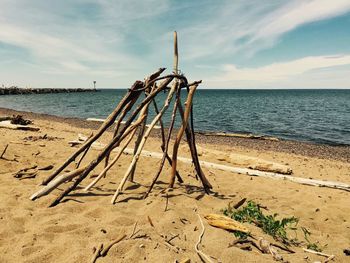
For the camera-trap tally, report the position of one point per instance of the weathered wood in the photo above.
(166, 144)
(131, 96)
(143, 141)
(141, 131)
(8, 125)
(191, 143)
(176, 55)
(180, 134)
(109, 121)
(110, 165)
(115, 141)
(56, 182)
(162, 132)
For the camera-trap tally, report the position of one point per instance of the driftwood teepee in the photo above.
(173, 84)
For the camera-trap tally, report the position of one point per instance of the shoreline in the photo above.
(308, 149)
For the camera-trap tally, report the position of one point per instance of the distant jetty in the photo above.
(18, 91)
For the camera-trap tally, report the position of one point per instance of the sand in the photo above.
(31, 232)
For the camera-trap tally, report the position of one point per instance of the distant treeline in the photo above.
(17, 91)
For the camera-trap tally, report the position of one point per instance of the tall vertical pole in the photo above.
(176, 55)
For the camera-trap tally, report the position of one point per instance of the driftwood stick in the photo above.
(102, 174)
(56, 182)
(97, 253)
(133, 231)
(107, 248)
(317, 253)
(200, 253)
(176, 54)
(180, 134)
(114, 142)
(194, 155)
(143, 141)
(108, 122)
(131, 96)
(169, 132)
(141, 131)
(166, 145)
(84, 154)
(117, 126)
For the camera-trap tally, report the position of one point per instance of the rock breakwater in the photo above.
(19, 91)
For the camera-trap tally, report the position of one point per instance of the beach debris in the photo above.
(18, 119)
(329, 257)
(41, 137)
(239, 135)
(46, 168)
(204, 257)
(6, 159)
(150, 221)
(17, 122)
(8, 125)
(102, 251)
(156, 127)
(31, 172)
(3, 152)
(135, 114)
(133, 230)
(166, 202)
(225, 222)
(347, 251)
(26, 173)
(239, 203)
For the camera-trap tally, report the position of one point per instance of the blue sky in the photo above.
(227, 44)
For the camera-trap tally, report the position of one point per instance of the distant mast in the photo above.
(94, 85)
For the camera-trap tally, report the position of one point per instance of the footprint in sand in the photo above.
(62, 229)
(27, 251)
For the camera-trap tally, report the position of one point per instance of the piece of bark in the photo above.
(226, 223)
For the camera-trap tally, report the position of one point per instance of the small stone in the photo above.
(142, 246)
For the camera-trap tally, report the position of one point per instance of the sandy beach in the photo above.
(69, 232)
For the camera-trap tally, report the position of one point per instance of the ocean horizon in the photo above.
(311, 115)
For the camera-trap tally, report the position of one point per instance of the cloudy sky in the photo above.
(227, 44)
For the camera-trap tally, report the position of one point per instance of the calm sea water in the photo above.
(321, 116)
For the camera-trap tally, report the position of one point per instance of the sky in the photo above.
(227, 44)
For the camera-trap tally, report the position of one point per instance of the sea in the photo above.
(317, 116)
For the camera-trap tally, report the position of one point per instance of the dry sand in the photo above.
(31, 232)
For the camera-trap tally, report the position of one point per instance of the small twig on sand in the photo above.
(3, 152)
(200, 253)
(240, 203)
(105, 251)
(150, 221)
(166, 204)
(329, 257)
(97, 253)
(102, 252)
(133, 231)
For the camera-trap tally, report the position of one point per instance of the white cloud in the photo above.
(298, 13)
(284, 73)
